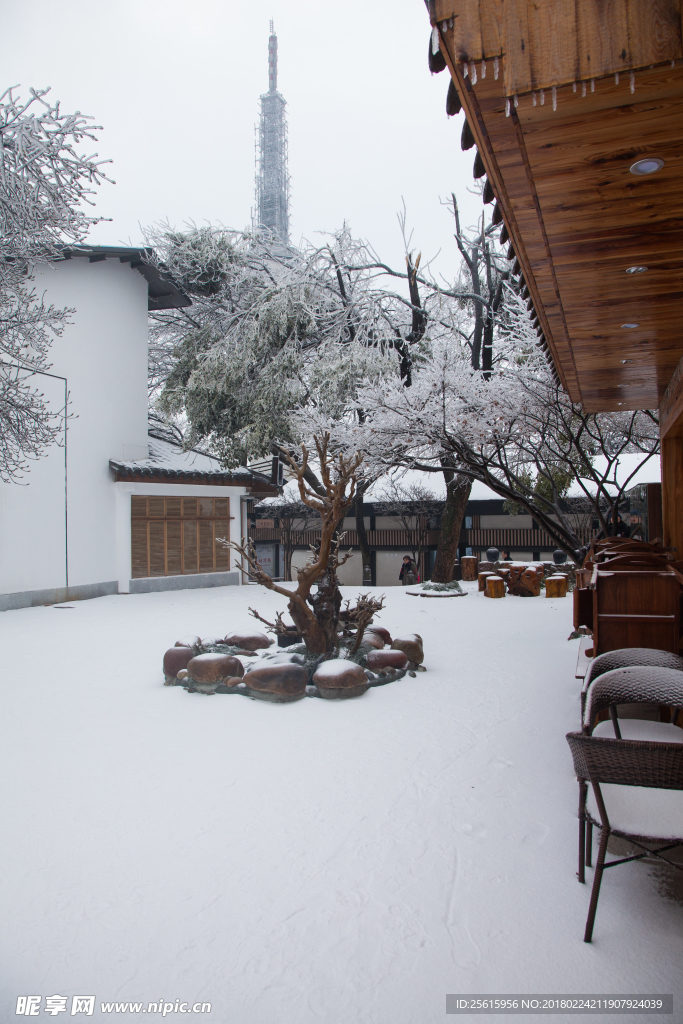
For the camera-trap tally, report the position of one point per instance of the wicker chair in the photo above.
(618, 771)
(646, 685)
(625, 658)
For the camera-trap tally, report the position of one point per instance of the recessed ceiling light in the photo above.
(647, 166)
(636, 270)
(629, 327)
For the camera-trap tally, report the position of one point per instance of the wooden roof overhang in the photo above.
(562, 99)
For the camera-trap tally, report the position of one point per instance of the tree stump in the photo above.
(483, 576)
(495, 587)
(556, 586)
(469, 564)
(525, 580)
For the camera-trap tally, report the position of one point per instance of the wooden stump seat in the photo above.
(469, 565)
(483, 576)
(556, 586)
(495, 587)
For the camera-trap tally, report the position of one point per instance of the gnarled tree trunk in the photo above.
(457, 494)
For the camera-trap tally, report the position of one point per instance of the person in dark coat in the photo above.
(408, 568)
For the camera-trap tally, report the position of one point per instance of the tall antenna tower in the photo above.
(272, 177)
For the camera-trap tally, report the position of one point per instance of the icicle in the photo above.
(533, 98)
(573, 86)
(465, 71)
(444, 26)
(516, 101)
(633, 82)
(450, 23)
(542, 97)
(616, 78)
(554, 98)
(592, 85)
(435, 40)
(507, 108)
(673, 63)
(483, 69)
(495, 68)
(583, 88)
(473, 73)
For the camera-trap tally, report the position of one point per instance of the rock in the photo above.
(230, 685)
(411, 645)
(377, 660)
(280, 683)
(188, 641)
(381, 632)
(373, 640)
(175, 659)
(339, 678)
(182, 674)
(249, 641)
(214, 668)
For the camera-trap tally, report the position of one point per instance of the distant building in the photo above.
(486, 524)
(272, 177)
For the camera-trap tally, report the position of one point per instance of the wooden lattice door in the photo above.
(173, 536)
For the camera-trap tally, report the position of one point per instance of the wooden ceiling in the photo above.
(578, 218)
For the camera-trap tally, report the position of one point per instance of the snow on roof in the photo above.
(168, 459)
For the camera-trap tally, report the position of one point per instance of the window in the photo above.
(173, 536)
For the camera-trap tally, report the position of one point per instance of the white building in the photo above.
(113, 510)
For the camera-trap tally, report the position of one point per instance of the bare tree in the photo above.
(412, 506)
(316, 615)
(44, 183)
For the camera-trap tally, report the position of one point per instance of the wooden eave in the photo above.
(576, 215)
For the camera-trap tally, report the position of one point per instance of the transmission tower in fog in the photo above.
(272, 178)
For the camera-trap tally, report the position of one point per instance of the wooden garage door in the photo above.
(177, 536)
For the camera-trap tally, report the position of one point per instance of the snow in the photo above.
(334, 668)
(346, 862)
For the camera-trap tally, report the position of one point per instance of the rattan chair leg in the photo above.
(582, 831)
(589, 844)
(597, 880)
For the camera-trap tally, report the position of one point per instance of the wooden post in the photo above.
(483, 576)
(672, 493)
(495, 587)
(556, 586)
(470, 564)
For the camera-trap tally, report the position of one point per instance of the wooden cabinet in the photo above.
(635, 608)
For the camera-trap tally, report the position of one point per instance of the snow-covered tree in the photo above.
(516, 431)
(44, 183)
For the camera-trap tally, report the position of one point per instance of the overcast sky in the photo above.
(176, 87)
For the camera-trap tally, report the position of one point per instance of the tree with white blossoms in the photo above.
(517, 431)
(43, 183)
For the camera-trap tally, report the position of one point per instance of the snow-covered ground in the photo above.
(338, 862)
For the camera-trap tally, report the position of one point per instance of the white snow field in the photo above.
(323, 861)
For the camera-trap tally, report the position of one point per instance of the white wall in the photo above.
(388, 566)
(103, 355)
(505, 522)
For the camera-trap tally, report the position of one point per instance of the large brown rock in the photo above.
(213, 668)
(281, 683)
(340, 678)
(377, 660)
(373, 640)
(381, 632)
(249, 641)
(175, 659)
(411, 645)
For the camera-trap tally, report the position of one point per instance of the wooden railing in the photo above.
(479, 540)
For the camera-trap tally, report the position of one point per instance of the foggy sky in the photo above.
(176, 87)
